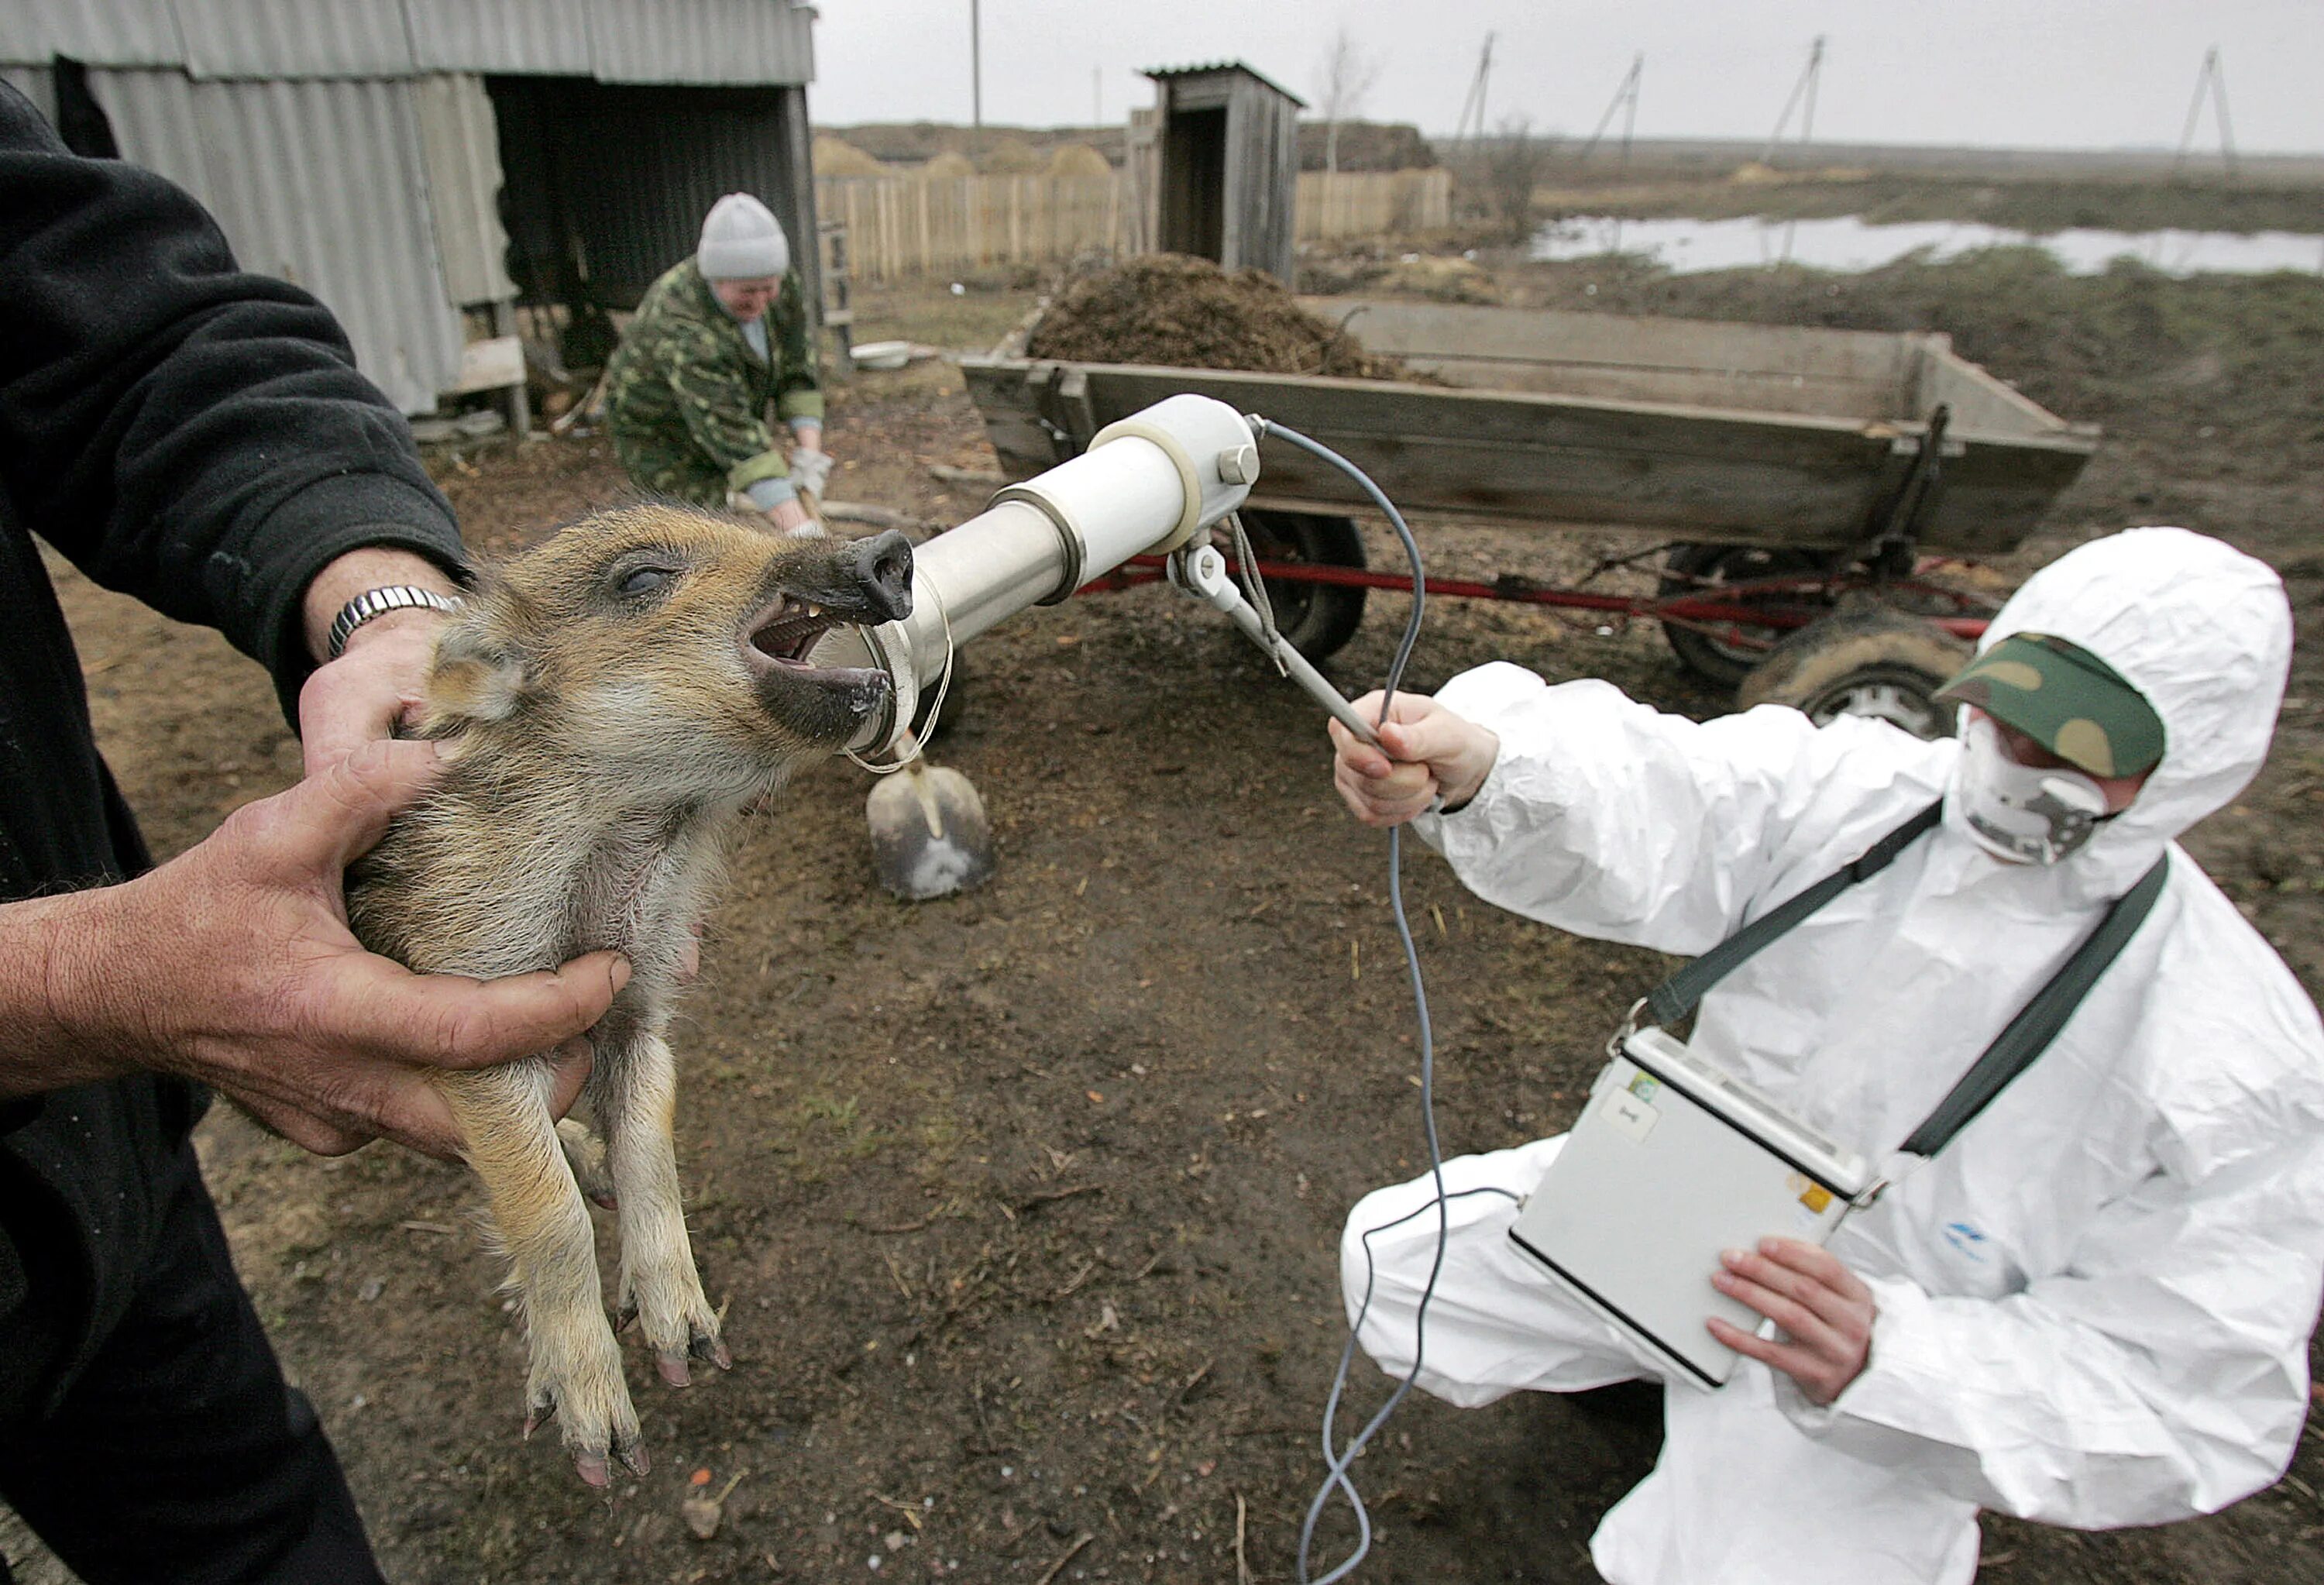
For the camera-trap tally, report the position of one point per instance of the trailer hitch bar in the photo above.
(1694, 610)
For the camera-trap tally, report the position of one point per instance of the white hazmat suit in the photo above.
(2093, 1304)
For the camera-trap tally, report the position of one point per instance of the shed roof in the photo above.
(738, 41)
(1161, 73)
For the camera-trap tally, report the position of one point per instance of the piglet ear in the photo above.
(480, 672)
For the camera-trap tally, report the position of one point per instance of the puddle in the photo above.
(1848, 244)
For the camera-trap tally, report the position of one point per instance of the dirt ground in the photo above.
(1023, 1207)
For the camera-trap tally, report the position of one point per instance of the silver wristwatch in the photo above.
(379, 602)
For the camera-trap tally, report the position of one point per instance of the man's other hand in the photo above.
(233, 964)
(1431, 753)
(1825, 1310)
(379, 682)
(381, 678)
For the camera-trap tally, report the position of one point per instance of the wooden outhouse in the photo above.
(1227, 181)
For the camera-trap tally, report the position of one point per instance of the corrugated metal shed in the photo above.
(754, 41)
(613, 180)
(34, 83)
(759, 42)
(293, 38)
(457, 132)
(120, 33)
(319, 182)
(153, 120)
(548, 38)
(349, 145)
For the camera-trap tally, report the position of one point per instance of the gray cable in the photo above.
(1335, 1462)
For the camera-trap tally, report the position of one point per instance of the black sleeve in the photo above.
(185, 432)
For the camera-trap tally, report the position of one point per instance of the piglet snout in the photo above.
(881, 569)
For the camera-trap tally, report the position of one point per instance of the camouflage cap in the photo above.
(2066, 699)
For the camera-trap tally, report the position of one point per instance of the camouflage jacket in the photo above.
(688, 397)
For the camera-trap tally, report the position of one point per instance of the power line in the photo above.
(1475, 102)
(1804, 88)
(1627, 96)
(2214, 79)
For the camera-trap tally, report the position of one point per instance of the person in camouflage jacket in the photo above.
(715, 339)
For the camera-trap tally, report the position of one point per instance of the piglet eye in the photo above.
(646, 580)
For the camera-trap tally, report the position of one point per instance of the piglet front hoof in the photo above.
(578, 1379)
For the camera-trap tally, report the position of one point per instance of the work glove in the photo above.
(810, 471)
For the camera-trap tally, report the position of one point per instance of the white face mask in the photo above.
(2018, 813)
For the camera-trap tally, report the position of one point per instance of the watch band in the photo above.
(379, 602)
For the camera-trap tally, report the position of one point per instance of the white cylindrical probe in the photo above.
(1150, 482)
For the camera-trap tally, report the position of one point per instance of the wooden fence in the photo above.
(902, 226)
(1365, 203)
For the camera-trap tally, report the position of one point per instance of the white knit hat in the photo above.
(742, 240)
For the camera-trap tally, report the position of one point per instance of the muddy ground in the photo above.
(1022, 1207)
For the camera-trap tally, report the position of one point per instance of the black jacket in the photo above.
(199, 438)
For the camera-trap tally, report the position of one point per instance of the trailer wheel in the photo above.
(1862, 660)
(1316, 618)
(1708, 570)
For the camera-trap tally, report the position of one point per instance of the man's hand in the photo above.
(379, 682)
(382, 678)
(1431, 753)
(233, 964)
(1825, 1310)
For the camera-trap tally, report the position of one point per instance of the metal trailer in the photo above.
(1804, 482)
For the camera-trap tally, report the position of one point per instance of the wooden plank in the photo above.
(1688, 473)
(1743, 390)
(1980, 403)
(489, 364)
(1862, 374)
(1998, 491)
(1009, 402)
(1555, 336)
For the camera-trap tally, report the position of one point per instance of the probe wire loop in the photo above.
(1336, 1463)
(916, 747)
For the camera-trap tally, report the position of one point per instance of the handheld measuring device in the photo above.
(1671, 1161)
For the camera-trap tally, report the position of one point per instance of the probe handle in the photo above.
(1202, 572)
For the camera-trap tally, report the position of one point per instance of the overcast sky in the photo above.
(2030, 73)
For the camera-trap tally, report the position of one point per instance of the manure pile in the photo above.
(1187, 313)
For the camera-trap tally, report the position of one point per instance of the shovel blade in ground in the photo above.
(929, 836)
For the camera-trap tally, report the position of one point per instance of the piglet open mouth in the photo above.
(784, 634)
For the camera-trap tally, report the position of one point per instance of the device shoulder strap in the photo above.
(2013, 1050)
(1676, 997)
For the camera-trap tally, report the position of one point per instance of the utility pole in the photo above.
(2213, 78)
(1805, 87)
(976, 66)
(1474, 105)
(1625, 95)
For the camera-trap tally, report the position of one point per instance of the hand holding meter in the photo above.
(1825, 1311)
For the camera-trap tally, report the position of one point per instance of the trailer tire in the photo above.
(1693, 569)
(1317, 618)
(1862, 660)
